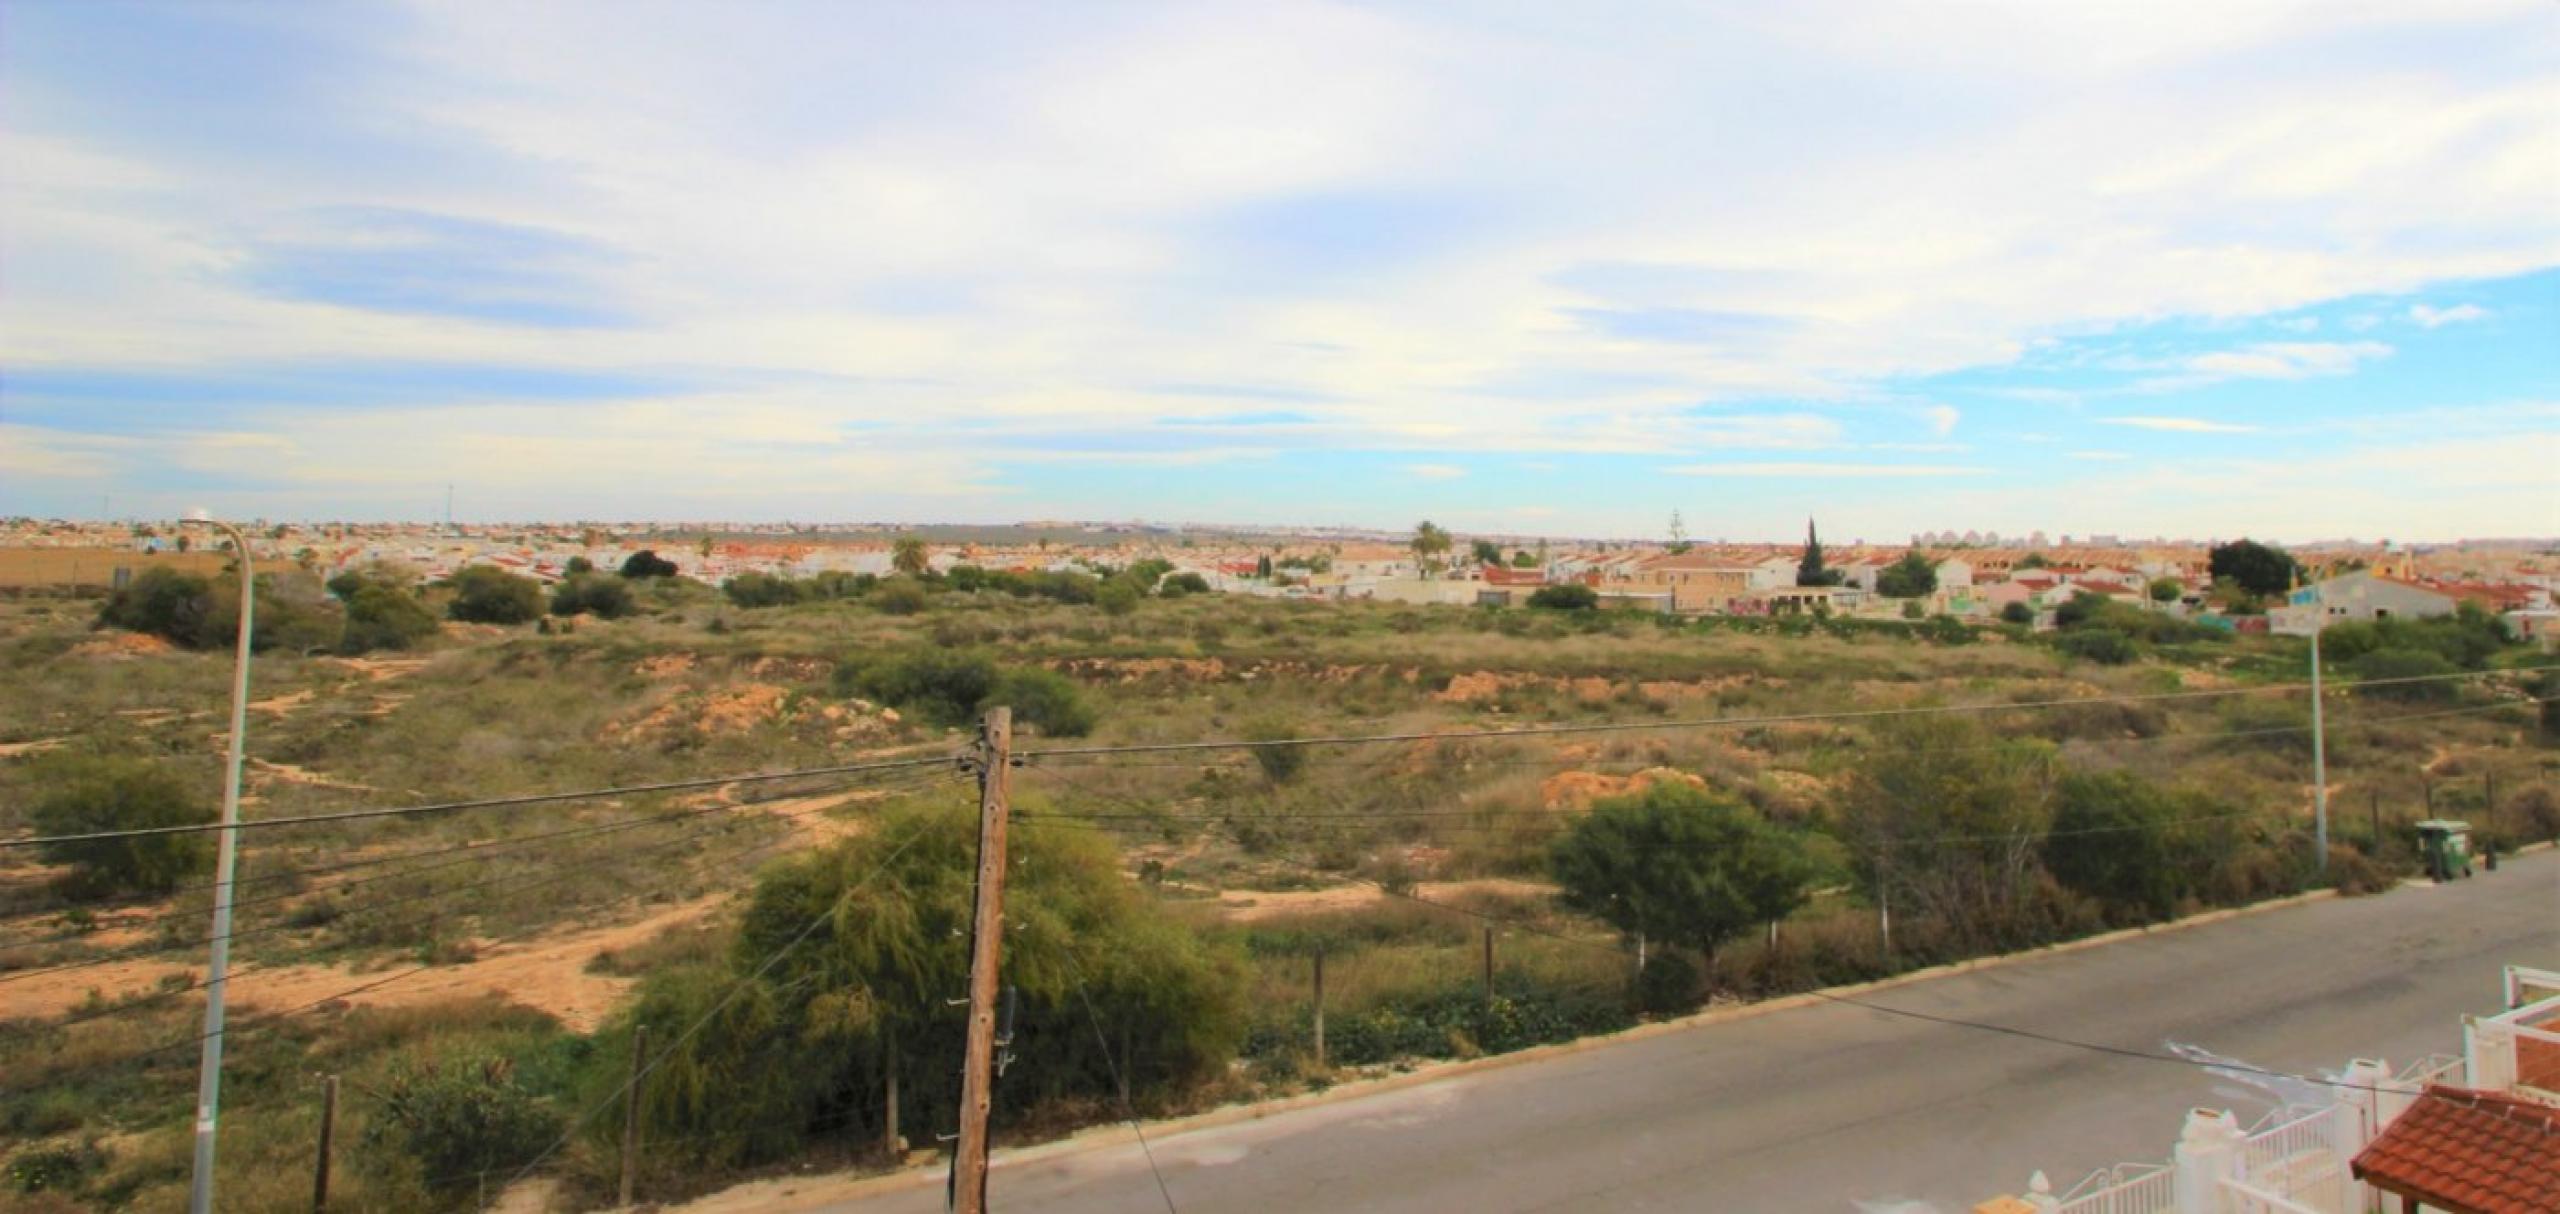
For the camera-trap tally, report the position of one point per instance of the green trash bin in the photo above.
(2445, 846)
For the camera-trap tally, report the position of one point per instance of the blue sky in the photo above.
(2283, 269)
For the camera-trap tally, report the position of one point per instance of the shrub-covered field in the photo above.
(506, 952)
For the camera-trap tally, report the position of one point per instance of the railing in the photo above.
(2434, 1068)
(2299, 1158)
(2247, 1198)
(2127, 1188)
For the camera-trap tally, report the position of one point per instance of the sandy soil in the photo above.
(1247, 906)
(11, 750)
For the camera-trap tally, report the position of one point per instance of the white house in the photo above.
(2362, 595)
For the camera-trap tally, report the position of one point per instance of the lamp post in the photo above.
(209, 1071)
(2319, 746)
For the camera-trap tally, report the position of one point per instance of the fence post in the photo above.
(1488, 965)
(328, 1130)
(2208, 1153)
(1320, 1007)
(631, 1113)
(892, 1146)
(2040, 1194)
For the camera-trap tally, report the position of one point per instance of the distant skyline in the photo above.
(2286, 270)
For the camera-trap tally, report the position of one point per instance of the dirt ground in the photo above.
(1247, 906)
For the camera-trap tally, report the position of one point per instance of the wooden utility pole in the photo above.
(328, 1130)
(889, 1148)
(977, 1073)
(1488, 965)
(631, 1112)
(1319, 1007)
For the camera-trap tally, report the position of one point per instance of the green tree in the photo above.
(2166, 589)
(1564, 596)
(1524, 559)
(484, 594)
(646, 563)
(1262, 566)
(1180, 584)
(90, 794)
(578, 565)
(384, 617)
(603, 597)
(1674, 863)
(1679, 536)
(2261, 569)
(162, 602)
(1486, 552)
(2114, 838)
(461, 1119)
(1946, 820)
(1430, 543)
(2033, 560)
(1117, 597)
(900, 595)
(753, 589)
(1911, 577)
(841, 972)
(909, 556)
(1810, 571)
(2017, 613)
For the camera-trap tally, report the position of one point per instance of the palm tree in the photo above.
(907, 556)
(1429, 542)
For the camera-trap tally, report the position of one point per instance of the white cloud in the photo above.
(2100, 456)
(1819, 470)
(2435, 318)
(1942, 419)
(2180, 425)
(1436, 472)
(2276, 360)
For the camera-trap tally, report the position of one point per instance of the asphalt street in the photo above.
(1842, 1108)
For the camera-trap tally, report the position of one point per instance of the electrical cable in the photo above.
(487, 803)
(739, 987)
(1731, 722)
(1118, 1084)
(428, 895)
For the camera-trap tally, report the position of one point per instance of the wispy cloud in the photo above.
(2272, 360)
(2179, 425)
(1436, 472)
(1943, 419)
(1822, 470)
(2430, 317)
(2101, 456)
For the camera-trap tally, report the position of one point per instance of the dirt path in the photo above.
(11, 750)
(1247, 906)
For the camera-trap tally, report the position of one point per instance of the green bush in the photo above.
(384, 617)
(1117, 597)
(1565, 596)
(2017, 613)
(1045, 700)
(1667, 985)
(1679, 866)
(2113, 839)
(946, 686)
(763, 590)
(1280, 764)
(594, 594)
(1181, 584)
(2105, 646)
(164, 603)
(91, 794)
(899, 596)
(485, 594)
(2406, 664)
(461, 1120)
(646, 563)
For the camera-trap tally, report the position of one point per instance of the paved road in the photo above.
(1835, 1108)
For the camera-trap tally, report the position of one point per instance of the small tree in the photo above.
(2261, 569)
(596, 595)
(483, 594)
(163, 602)
(2166, 589)
(1117, 597)
(1524, 559)
(461, 1119)
(1810, 570)
(2113, 839)
(900, 595)
(1911, 577)
(762, 590)
(578, 565)
(908, 556)
(2017, 613)
(1430, 543)
(1564, 596)
(1180, 584)
(384, 617)
(1486, 552)
(92, 794)
(646, 563)
(1674, 863)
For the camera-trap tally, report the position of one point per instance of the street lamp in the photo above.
(209, 1071)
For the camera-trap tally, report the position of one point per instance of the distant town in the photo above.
(1970, 576)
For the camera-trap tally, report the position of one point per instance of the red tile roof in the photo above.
(2470, 1153)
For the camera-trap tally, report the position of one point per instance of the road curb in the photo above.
(785, 1196)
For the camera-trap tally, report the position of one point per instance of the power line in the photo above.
(1118, 1084)
(771, 959)
(488, 803)
(151, 997)
(427, 895)
(1729, 722)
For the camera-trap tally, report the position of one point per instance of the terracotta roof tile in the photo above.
(2474, 1152)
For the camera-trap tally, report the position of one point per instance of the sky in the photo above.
(2183, 269)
